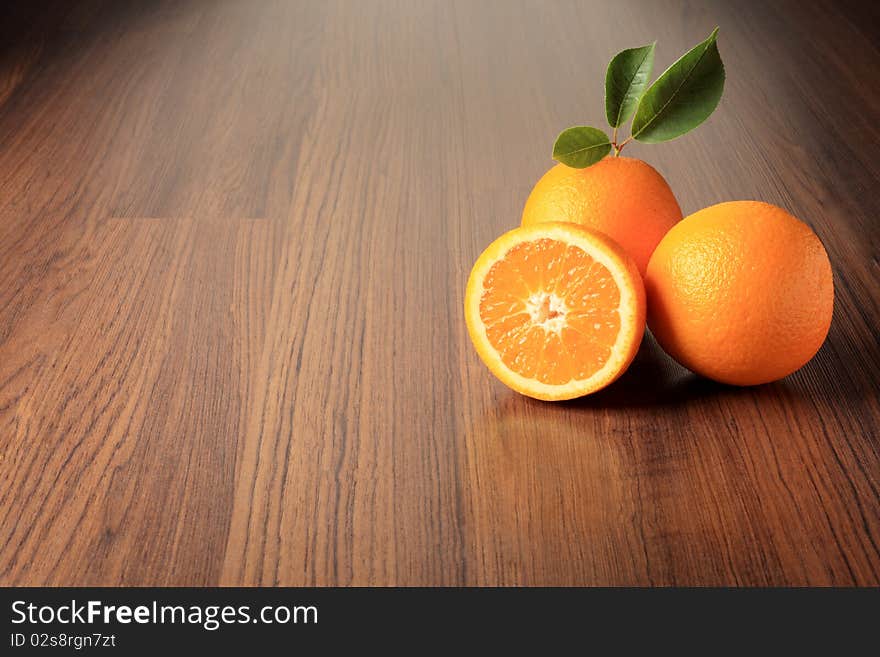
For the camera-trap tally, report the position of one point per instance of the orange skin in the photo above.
(622, 197)
(740, 292)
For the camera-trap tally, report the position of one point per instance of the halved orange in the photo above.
(555, 310)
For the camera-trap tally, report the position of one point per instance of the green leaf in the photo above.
(581, 146)
(626, 79)
(683, 97)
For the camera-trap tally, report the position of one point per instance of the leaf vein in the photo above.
(628, 88)
(674, 93)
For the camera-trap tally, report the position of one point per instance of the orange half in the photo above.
(555, 310)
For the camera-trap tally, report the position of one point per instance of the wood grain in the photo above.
(234, 238)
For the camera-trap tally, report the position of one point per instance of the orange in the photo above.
(622, 197)
(555, 310)
(740, 292)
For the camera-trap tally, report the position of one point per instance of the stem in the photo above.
(619, 147)
(614, 142)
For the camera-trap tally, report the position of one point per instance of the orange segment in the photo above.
(555, 310)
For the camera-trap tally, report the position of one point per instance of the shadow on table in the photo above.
(654, 379)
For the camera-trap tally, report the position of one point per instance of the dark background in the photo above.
(401, 620)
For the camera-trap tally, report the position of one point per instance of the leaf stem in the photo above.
(619, 147)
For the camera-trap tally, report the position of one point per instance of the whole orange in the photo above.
(740, 292)
(622, 197)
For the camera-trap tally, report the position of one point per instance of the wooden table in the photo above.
(234, 238)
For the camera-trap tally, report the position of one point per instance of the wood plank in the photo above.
(234, 239)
